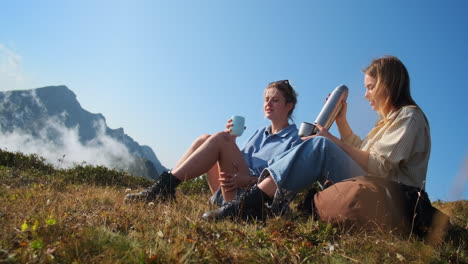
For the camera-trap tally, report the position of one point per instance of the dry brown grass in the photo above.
(50, 217)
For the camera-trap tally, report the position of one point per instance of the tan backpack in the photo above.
(370, 202)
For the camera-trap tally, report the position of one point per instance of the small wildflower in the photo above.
(51, 221)
(151, 204)
(37, 244)
(24, 226)
(35, 226)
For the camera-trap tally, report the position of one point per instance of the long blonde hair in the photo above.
(392, 83)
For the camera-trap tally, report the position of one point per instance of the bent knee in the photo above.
(321, 141)
(203, 137)
(222, 135)
(200, 140)
(326, 144)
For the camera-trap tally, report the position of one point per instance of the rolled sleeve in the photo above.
(377, 166)
(395, 146)
(353, 140)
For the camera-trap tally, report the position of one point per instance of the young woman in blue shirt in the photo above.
(229, 168)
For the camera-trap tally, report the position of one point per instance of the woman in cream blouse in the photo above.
(398, 147)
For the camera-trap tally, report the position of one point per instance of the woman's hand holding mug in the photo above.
(235, 126)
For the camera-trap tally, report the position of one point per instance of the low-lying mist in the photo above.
(63, 149)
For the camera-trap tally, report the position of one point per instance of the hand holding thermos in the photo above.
(328, 114)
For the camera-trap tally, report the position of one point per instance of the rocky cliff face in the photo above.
(50, 120)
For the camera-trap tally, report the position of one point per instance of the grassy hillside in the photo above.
(50, 215)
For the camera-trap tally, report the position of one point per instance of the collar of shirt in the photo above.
(283, 133)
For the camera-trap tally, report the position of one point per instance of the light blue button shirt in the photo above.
(263, 146)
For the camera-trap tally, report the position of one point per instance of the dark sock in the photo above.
(265, 197)
(174, 180)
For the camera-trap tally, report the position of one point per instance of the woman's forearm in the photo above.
(344, 128)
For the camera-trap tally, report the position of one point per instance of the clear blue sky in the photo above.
(168, 71)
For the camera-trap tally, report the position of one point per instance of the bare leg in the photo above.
(219, 149)
(213, 173)
(268, 186)
(213, 178)
(195, 145)
(165, 186)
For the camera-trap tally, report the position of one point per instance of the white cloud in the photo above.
(12, 76)
(103, 150)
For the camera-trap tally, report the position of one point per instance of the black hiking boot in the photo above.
(163, 189)
(248, 206)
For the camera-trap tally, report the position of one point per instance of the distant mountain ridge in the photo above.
(37, 112)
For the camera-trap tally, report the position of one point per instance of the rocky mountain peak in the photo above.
(52, 115)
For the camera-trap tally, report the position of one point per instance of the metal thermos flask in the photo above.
(328, 113)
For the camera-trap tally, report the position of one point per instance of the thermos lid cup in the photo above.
(306, 129)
